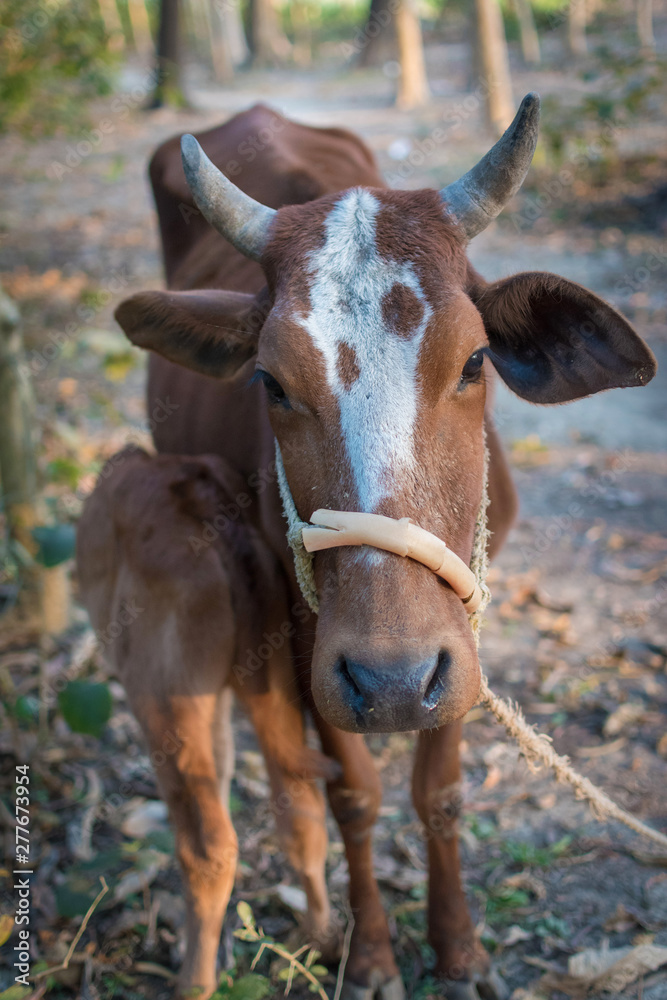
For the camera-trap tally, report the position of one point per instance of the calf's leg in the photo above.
(206, 846)
(436, 789)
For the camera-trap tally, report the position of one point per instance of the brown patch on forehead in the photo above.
(347, 366)
(402, 311)
(412, 226)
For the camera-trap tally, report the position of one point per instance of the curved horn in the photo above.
(481, 194)
(242, 220)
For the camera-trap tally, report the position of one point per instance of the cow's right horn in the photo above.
(242, 220)
(480, 195)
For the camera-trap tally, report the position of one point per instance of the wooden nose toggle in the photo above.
(331, 529)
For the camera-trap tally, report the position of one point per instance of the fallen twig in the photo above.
(77, 937)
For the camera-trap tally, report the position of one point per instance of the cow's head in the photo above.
(373, 344)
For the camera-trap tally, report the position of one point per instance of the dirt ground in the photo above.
(577, 632)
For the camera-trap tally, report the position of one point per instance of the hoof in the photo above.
(488, 986)
(391, 989)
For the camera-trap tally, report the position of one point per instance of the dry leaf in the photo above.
(514, 935)
(622, 717)
(607, 969)
(6, 927)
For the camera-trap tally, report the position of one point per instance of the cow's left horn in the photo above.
(242, 220)
(481, 194)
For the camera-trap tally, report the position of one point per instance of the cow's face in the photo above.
(372, 358)
(373, 345)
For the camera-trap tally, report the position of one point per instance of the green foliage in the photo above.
(53, 57)
(301, 963)
(86, 706)
(249, 987)
(528, 855)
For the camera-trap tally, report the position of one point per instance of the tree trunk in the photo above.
(232, 26)
(645, 28)
(268, 42)
(168, 90)
(413, 91)
(141, 29)
(44, 594)
(113, 25)
(493, 61)
(530, 42)
(376, 43)
(576, 28)
(223, 69)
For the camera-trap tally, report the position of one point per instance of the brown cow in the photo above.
(372, 339)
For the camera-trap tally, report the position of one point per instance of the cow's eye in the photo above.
(472, 370)
(274, 390)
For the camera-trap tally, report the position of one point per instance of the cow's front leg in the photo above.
(355, 799)
(461, 961)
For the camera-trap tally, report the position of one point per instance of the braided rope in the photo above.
(303, 560)
(535, 747)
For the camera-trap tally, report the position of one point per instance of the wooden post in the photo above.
(18, 469)
(44, 592)
(493, 61)
(413, 89)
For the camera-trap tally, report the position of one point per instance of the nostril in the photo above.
(436, 684)
(357, 699)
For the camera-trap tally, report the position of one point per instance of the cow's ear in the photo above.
(552, 341)
(211, 332)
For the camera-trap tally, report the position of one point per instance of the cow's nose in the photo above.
(394, 696)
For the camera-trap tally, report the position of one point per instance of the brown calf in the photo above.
(199, 607)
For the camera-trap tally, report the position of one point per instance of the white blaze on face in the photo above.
(379, 408)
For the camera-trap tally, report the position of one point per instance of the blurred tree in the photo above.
(576, 28)
(645, 28)
(230, 17)
(142, 37)
(493, 64)
(378, 41)
(413, 90)
(44, 593)
(269, 44)
(53, 58)
(221, 57)
(168, 90)
(113, 23)
(530, 42)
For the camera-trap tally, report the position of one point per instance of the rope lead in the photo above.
(535, 747)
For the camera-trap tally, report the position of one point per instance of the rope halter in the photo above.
(336, 528)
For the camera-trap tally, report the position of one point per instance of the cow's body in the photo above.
(369, 313)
